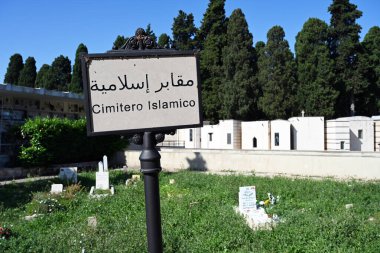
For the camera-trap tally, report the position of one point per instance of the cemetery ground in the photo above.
(197, 211)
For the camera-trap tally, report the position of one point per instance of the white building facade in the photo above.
(255, 135)
(308, 133)
(361, 133)
(338, 135)
(225, 135)
(280, 135)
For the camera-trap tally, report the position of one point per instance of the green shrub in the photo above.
(56, 140)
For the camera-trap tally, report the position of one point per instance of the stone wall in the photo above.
(342, 165)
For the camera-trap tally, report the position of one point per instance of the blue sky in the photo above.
(46, 29)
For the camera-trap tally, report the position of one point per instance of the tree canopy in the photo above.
(58, 76)
(28, 74)
(239, 88)
(14, 68)
(277, 76)
(184, 31)
(76, 84)
(212, 39)
(344, 49)
(315, 69)
(332, 75)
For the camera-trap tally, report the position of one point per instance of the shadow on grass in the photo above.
(18, 194)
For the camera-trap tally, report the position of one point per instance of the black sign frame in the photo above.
(135, 54)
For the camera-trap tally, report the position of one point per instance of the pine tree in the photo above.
(344, 49)
(371, 55)
(76, 84)
(14, 68)
(316, 96)
(149, 32)
(212, 39)
(239, 90)
(119, 41)
(59, 75)
(277, 76)
(28, 73)
(164, 41)
(184, 31)
(41, 76)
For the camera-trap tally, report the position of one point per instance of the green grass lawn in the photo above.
(197, 216)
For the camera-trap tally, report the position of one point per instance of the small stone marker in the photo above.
(92, 222)
(135, 177)
(349, 206)
(247, 198)
(56, 188)
(68, 174)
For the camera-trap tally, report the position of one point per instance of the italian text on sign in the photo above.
(126, 94)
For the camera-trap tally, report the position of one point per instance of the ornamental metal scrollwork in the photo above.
(140, 41)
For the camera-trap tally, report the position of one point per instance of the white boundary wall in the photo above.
(342, 165)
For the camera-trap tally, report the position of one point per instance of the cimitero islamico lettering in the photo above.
(145, 93)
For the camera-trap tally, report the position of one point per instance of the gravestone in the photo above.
(105, 163)
(56, 188)
(256, 217)
(247, 198)
(68, 174)
(102, 178)
(92, 221)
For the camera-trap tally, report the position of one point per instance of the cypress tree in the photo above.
(371, 55)
(277, 76)
(28, 73)
(239, 100)
(14, 68)
(164, 41)
(316, 95)
(76, 84)
(344, 49)
(183, 31)
(59, 74)
(212, 40)
(41, 76)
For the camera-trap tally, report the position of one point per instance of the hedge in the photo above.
(58, 141)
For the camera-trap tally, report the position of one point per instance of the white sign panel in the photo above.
(150, 92)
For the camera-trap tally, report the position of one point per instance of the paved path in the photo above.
(23, 180)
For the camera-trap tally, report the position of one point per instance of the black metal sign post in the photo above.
(150, 162)
(110, 99)
(151, 167)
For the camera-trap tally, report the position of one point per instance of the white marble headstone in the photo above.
(56, 188)
(247, 198)
(68, 174)
(102, 180)
(105, 163)
(100, 166)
